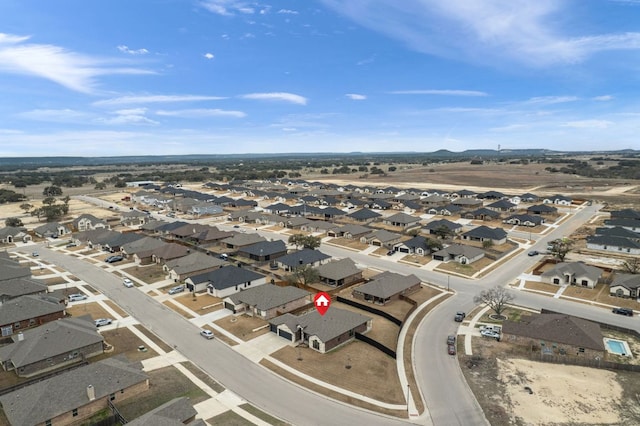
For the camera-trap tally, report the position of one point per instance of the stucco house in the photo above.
(267, 301)
(387, 286)
(339, 272)
(225, 281)
(51, 230)
(86, 222)
(460, 253)
(625, 285)
(483, 233)
(573, 273)
(613, 244)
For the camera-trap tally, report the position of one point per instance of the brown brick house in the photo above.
(28, 311)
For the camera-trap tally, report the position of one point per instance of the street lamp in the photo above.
(448, 276)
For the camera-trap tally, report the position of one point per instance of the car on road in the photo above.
(224, 256)
(35, 254)
(451, 349)
(451, 340)
(114, 259)
(207, 334)
(77, 297)
(102, 321)
(490, 333)
(236, 226)
(623, 311)
(127, 283)
(533, 253)
(459, 317)
(176, 289)
(70, 245)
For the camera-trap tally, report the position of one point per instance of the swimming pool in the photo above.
(618, 347)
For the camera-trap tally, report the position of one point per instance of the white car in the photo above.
(490, 333)
(207, 334)
(102, 321)
(77, 296)
(127, 283)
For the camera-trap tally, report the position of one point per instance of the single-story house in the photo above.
(542, 209)
(177, 412)
(630, 224)
(558, 199)
(76, 395)
(350, 231)
(264, 251)
(239, 241)
(483, 233)
(448, 210)
(192, 264)
(302, 257)
(386, 287)
(364, 215)
(573, 273)
(51, 346)
(134, 218)
(460, 253)
(225, 281)
(267, 301)
(339, 272)
(322, 332)
(556, 334)
(524, 220)
(625, 285)
(51, 230)
(381, 238)
(482, 213)
(502, 206)
(10, 234)
(613, 244)
(419, 245)
(626, 214)
(86, 222)
(433, 227)
(28, 311)
(20, 286)
(401, 220)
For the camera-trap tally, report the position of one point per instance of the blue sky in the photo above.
(119, 77)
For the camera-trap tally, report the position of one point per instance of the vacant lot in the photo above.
(243, 326)
(203, 304)
(93, 308)
(148, 274)
(125, 342)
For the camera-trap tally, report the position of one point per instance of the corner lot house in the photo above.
(51, 346)
(70, 397)
(339, 272)
(322, 333)
(225, 281)
(386, 287)
(573, 273)
(302, 257)
(267, 301)
(625, 285)
(461, 253)
(556, 334)
(483, 233)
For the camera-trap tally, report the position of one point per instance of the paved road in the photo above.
(240, 375)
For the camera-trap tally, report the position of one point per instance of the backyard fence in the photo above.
(371, 309)
(375, 344)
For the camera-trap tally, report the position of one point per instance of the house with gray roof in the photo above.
(239, 241)
(467, 203)
(140, 244)
(364, 215)
(267, 301)
(418, 245)
(51, 346)
(51, 230)
(86, 222)
(629, 224)
(558, 200)
(302, 257)
(482, 213)
(556, 334)
(161, 254)
(28, 311)
(381, 238)
(322, 332)
(350, 231)
(134, 218)
(626, 214)
(524, 220)
(192, 264)
(618, 231)
(435, 225)
(95, 238)
(483, 233)
(613, 244)
(502, 206)
(11, 268)
(339, 272)
(177, 412)
(448, 210)
(625, 285)
(460, 253)
(401, 220)
(225, 281)
(19, 286)
(76, 395)
(386, 287)
(543, 209)
(10, 234)
(264, 251)
(572, 273)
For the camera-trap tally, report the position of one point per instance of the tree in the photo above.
(632, 266)
(13, 221)
(101, 185)
(560, 248)
(487, 244)
(497, 298)
(303, 275)
(49, 201)
(306, 241)
(26, 207)
(52, 191)
(442, 232)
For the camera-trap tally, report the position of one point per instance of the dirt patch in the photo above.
(165, 384)
(155, 339)
(547, 288)
(203, 304)
(382, 330)
(93, 308)
(243, 326)
(116, 308)
(467, 270)
(124, 341)
(54, 281)
(419, 260)
(177, 309)
(148, 274)
(203, 376)
(348, 243)
(355, 366)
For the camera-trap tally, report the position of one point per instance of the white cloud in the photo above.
(125, 49)
(148, 99)
(550, 100)
(69, 69)
(603, 98)
(57, 115)
(129, 116)
(228, 7)
(356, 97)
(439, 92)
(288, 11)
(277, 96)
(589, 124)
(209, 55)
(534, 33)
(200, 113)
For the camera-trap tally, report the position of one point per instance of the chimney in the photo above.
(91, 392)
(20, 336)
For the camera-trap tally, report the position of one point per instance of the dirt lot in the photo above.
(94, 309)
(243, 326)
(148, 273)
(203, 304)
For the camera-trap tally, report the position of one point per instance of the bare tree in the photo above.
(303, 275)
(560, 248)
(497, 298)
(632, 266)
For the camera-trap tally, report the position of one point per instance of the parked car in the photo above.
(35, 254)
(451, 349)
(623, 311)
(114, 259)
(451, 340)
(236, 226)
(224, 256)
(533, 253)
(77, 296)
(207, 334)
(490, 333)
(390, 253)
(496, 328)
(127, 283)
(70, 245)
(459, 317)
(176, 289)
(102, 321)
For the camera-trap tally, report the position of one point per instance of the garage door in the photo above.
(284, 334)
(230, 306)
(273, 328)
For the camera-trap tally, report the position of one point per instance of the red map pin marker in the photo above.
(322, 301)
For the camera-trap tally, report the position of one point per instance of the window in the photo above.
(316, 345)
(32, 322)
(112, 397)
(74, 412)
(581, 350)
(16, 325)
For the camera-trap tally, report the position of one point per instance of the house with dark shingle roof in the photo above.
(28, 311)
(524, 220)
(322, 332)
(192, 264)
(134, 218)
(434, 225)
(51, 230)
(381, 238)
(364, 215)
(557, 199)
(239, 241)
(10, 234)
(482, 213)
(264, 251)
(177, 412)
(626, 214)
(460, 253)
(339, 272)
(350, 231)
(51, 346)
(556, 334)
(542, 209)
(87, 221)
(572, 273)
(225, 281)
(625, 285)
(386, 287)
(448, 210)
(419, 245)
(267, 301)
(613, 244)
(618, 232)
(502, 206)
(76, 395)
(630, 224)
(483, 233)
(302, 257)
